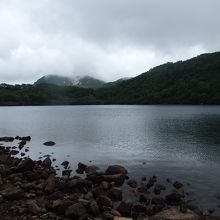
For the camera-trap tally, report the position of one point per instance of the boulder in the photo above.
(177, 185)
(25, 165)
(96, 178)
(116, 169)
(118, 179)
(66, 172)
(91, 169)
(4, 170)
(174, 198)
(79, 171)
(144, 199)
(151, 182)
(12, 194)
(63, 207)
(115, 194)
(122, 218)
(158, 201)
(57, 203)
(1, 181)
(107, 216)
(139, 208)
(175, 214)
(104, 201)
(50, 184)
(65, 164)
(49, 143)
(31, 175)
(143, 178)
(20, 146)
(47, 162)
(124, 208)
(115, 213)
(35, 209)
(26, 138)
(23, 142)
(14, 152)
(98, 191)
(75, 211)
(82, 166)
(158, 188)
(132, 183)
(105, 185)
(6, 139)
(79, 185)
(94, 208)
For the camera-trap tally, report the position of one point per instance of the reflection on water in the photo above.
(182, 142)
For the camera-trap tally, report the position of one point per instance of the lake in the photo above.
(178, 142)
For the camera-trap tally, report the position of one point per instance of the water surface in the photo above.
(179, 142)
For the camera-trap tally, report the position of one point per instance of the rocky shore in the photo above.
(31, 190)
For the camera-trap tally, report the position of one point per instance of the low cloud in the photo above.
(101, 38)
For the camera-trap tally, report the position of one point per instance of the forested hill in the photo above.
(195, 81)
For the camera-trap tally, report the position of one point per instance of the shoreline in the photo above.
(32, 190)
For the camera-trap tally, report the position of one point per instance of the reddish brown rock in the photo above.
(50, 184)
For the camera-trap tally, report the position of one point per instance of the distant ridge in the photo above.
(195, 81)
(109, 84)
(84, 81)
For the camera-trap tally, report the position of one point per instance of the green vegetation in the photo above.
(45, 94)
(195, 81)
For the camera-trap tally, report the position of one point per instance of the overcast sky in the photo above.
(107, 39)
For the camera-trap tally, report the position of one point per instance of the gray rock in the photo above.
(177, 185)
(49, 143)
(116, 169)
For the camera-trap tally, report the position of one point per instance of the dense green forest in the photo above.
(195, 81)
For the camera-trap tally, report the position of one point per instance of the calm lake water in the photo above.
(178, 142)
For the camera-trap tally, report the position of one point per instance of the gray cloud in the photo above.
(102, 38)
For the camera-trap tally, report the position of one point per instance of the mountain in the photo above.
(194, 81)
(109, 84)
(85, 81)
